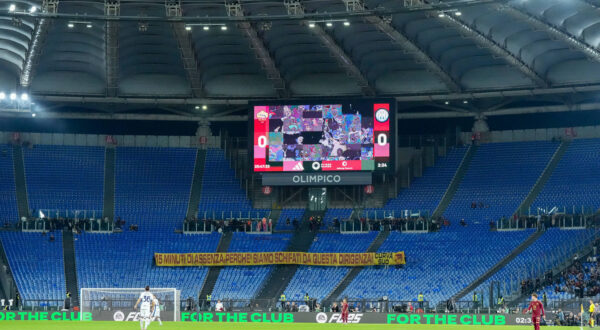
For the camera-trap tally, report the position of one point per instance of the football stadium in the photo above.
(301, 164)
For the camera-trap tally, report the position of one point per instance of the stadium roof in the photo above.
(157, 57)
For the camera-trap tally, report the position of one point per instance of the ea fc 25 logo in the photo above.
(337, 318)
(120, 316)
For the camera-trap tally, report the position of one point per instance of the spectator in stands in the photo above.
(219, 306)
(287, 307)
(264, 224)
(288, 221)
(294, 308)
(335, 308)
(473, 205)
(463, 222)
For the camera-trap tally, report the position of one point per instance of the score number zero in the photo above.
(381, 140)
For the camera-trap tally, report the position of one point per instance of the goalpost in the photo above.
(116, 304)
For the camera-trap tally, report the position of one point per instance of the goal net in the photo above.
(116, 304)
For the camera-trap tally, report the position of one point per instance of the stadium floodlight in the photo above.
(311, 25)
(2, 96)
(70, 25)
(465, 101)
(346, 23)
(446, 102)
(204, 107)
(458, 13)
(13, 96)
(12, 7)
(206, 28)
(329, 24)
(24, 97)
(440, 15)
(188, 28)
(224, 27)
(33, 114)
(88, 25)
(33, 9)
(197, 107)
(91, 298)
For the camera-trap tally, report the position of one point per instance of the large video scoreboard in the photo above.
(300, 137)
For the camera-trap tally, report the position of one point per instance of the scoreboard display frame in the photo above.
(322, 135)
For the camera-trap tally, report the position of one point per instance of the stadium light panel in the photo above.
(2, 96)
(224, 27)
(311, 25)
(206, 28)
(440, 15)
(458, 13)
(12, 7)
(13, 96)
(188, 28)
(197, 107)
(447, 102)
(24, 97)
(33, 9)
(329, 24)
(204, 107)
(70, 25)
(33, 115)
(465, 101)
(89, 26)
(346, 23)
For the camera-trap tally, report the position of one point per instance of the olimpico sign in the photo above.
(316, 179)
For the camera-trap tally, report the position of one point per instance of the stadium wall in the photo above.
(543, 134)
(120, 140)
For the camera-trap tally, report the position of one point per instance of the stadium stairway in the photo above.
(70, 270)
(196, 190)
(455, 183)
(339, 289)
(7, 281)
(280, 277)
(20, 182)
(508, 258)
(108, 208)
(544, 177)
(213, 272)
(274, 216)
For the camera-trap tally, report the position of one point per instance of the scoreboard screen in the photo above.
(323, 136)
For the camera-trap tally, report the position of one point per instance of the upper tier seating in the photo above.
(37, 266)
(426, 192)
(500, 176)
(245, 282)
(318, 282)
(8, 195)
(125, 260)
(152, 186)
(221, 191)
(438, 264)
(575, 181)
(65, 178)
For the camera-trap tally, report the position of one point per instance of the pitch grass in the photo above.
(98, 325)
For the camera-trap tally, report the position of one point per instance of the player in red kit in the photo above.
(345, 311)
(537, 311)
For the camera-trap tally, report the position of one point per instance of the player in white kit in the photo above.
(156, 311)
(147, 305)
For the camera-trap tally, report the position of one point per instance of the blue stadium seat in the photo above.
(244, 282)
(37, 266)
(318, 282)
(8, 199)
(65, 178)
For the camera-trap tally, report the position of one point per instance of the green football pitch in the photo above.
(55, 325)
